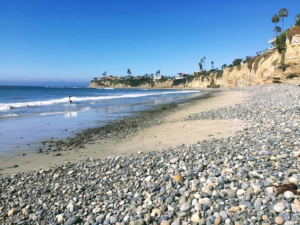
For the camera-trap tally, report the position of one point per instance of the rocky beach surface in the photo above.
(251, 177)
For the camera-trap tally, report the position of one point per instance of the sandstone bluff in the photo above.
(266, 69)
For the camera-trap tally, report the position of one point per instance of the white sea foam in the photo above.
(50, 113)
(85, 109)
(7, 106)
(10, 115)
(4, 107)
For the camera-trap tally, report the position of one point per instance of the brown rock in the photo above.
(264, 217)
(234, 209)
(279, 220)
(177, 178)
(10, 212)
(217, 221)
(156, 212)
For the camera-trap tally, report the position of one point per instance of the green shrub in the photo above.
(275, 62)
(257, 60)
(220, 73)
(281, 41)
(237, 62)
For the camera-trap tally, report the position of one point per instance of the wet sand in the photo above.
(169, 129)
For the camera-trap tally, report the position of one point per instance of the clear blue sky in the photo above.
(74, 41)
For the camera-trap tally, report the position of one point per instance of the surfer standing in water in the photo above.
(70, 99)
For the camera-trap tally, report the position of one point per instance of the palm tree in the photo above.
(128, 72)
(224, 66)
(212, 64)
(275, 19)
(283, 13)
(104, 73)
(204, 61)
(277, 29)
(200, 66)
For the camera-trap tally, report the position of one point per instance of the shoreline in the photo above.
(115, 134)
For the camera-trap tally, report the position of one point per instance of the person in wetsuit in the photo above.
(70, 99)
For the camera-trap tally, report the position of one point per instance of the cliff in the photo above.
(272, 67)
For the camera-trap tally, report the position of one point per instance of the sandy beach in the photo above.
(170, 130)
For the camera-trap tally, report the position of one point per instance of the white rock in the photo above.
(288, 194)
(202, 179)
(197, 206)
(174, 160)
(269, 190)
(240, 192)
(70, 207)
(184, 207)
(195, 217)
(256, 188)
(293, 180)
(197, 195)
(240, 157)
(96, 210)
(60, 218)
(279, 207)
(147, 179)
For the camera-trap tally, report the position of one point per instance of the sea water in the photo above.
(29, 115)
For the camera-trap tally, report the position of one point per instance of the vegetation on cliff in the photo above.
(297, 19)
(132, 82)
(280, 41)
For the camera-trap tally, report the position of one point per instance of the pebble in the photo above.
(195, 218)
(279, 207)
(215, 181)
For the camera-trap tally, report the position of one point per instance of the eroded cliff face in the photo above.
(265, 69)
(272, 68)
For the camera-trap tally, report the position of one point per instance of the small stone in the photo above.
(165, 222)
(177, 178)
(174, 160)
(60, 218)
(240, 192)
(156, 212)
(256, 188)
(195, 217)
(227, 170)
(279, 207)
(138, 222)
(296, 207)
(147, 179)
(185, 207)
(73, 220)
(279, 220)
(10, 212)
(234, 209)
(288, 194)
(217, 221)
(264, 217)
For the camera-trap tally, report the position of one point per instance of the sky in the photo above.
(70, 42)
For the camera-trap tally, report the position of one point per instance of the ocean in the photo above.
(29, 115)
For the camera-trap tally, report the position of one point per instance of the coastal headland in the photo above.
(272, 66)
(226, 159)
